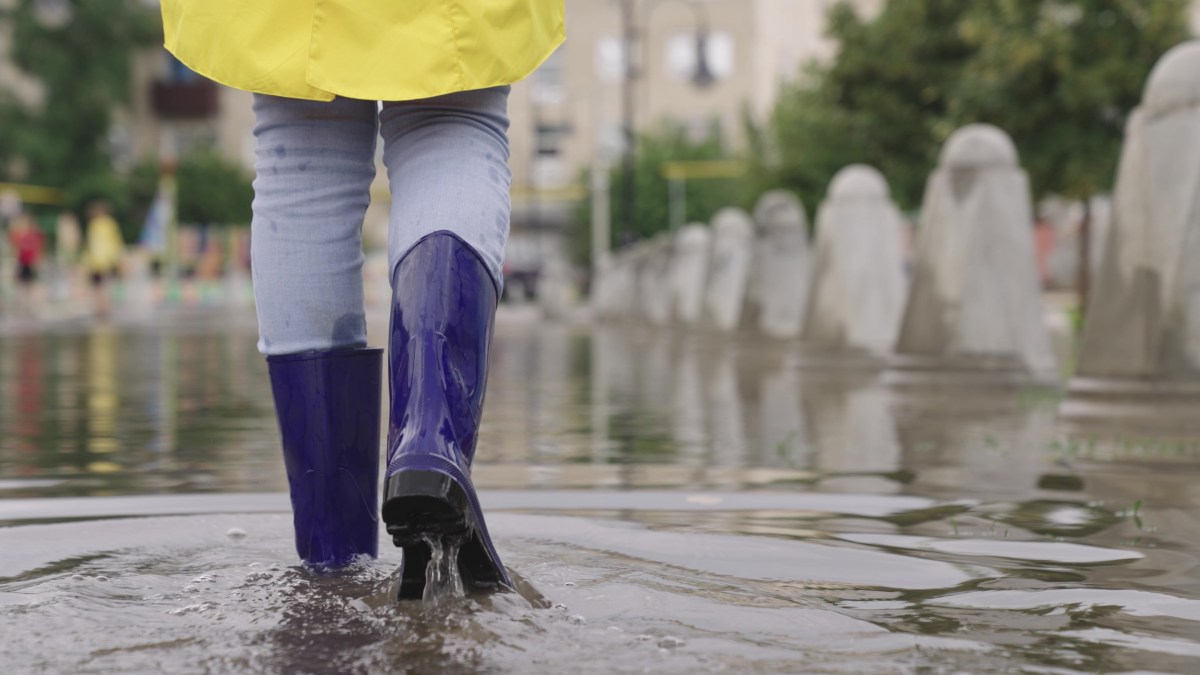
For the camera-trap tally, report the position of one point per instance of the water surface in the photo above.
(671, 503)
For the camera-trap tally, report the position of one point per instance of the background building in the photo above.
(568, 116)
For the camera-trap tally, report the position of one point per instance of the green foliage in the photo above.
(85, 70)
(1059, 75)
(213, 190)
(883, 101)
(1061, 78)
(704, 197)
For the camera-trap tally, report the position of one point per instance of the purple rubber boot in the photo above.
(443, 305)
(327, 404)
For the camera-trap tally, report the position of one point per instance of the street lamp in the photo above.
(701, 78)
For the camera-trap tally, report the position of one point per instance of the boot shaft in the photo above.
(328, 406)
(443, 309)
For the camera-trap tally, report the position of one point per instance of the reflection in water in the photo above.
(688, 409)
(26, 396)
(782, 434)
(683, 503)
(726, 422)
(982, 443)
(102, 400)
(137, 409)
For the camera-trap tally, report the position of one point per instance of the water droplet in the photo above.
(190, 589)
(274, 566)
(101, 577)
(559, 607)
(77, 577)
(235, 534)
(203, 579)
(577, 620)
(569, 584)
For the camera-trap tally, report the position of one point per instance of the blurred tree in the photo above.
(80, 51)
(210, 190)
(213, 190)
(670, 143)
(884, 100)
(1060, 76)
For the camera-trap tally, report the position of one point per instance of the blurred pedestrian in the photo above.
(441, 70)
(105, 247)
(27, 243)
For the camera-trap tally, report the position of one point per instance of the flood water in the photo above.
(670, 503)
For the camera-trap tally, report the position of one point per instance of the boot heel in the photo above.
(425, 503)
(428, 504)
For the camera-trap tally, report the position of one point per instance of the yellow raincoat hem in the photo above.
(319, 92)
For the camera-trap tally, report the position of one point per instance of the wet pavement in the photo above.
(672, 504)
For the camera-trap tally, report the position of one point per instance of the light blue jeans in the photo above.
(447, 164)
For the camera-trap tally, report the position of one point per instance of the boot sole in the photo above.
(429, 503)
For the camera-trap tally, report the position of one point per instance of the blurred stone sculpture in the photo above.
(654, 280)
(689, 271)
(615, 295)
(1142, 333)
(732, 248)
(859, 284)
(975, 308)
(779, 277)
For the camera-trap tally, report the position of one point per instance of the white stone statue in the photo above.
(689, 272)
(779, 278)
(975, 296)
(1143, 319)
(859, 283)
(654, 280)
(615, 293)
(732, 247)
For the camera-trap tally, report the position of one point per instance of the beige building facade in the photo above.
(568, 115)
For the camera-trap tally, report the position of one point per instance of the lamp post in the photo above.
(702, 78)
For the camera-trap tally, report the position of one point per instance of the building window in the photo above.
(682, 56)
(550, 139)
(548, 80)
(611, 63)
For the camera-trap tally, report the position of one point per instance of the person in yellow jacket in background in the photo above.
(331, 76)
(105, 248)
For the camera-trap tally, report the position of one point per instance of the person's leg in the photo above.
(447, 160)
(315, 163)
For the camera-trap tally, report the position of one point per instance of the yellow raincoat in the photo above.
(104, 245)
(390, 50)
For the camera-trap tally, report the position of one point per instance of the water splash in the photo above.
(442, 579)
